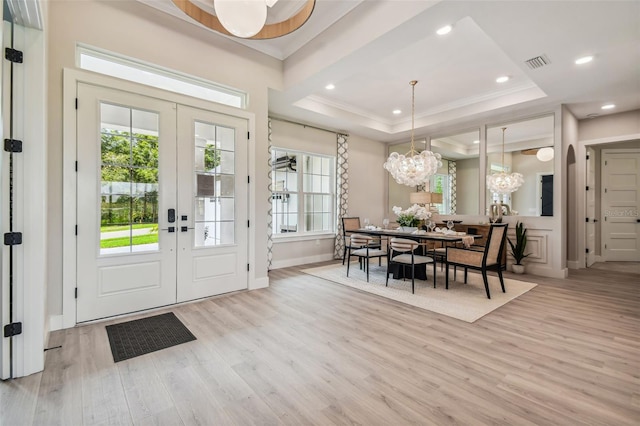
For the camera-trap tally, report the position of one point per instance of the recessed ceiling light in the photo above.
(476, 141)
(608, 106)
(397, 111)
(502, 79)
(444, 30)
(584, 60)
(330, 86)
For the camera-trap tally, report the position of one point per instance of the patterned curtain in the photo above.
(342, 190)
(453, 181)
(270, 211)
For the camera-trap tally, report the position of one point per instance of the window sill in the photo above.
(278, 239)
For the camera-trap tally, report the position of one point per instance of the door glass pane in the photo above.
(129, 180)
(214, 203)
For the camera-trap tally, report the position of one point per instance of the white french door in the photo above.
(213, 203)
(161, 214)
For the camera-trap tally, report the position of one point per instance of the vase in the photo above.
(517, 269)
(408, 228)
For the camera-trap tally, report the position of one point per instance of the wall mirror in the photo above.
(457, 179)
(529, 150)
(399, 194)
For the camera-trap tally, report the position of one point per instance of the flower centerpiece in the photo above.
(411, 217)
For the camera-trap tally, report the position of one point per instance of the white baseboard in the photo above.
(55, 323)
(259, 283)
(575, 264)
(301, 261)
(600, 259)
(547, 272)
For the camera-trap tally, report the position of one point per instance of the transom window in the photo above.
(303, 192)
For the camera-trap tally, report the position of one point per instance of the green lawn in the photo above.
(125, 241)
(113, 228)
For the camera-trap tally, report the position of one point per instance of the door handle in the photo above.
(171, 215)
(184, 229)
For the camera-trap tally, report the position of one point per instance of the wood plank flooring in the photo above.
(310, 352)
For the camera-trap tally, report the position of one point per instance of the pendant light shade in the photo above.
(502, 182)
(242, 18)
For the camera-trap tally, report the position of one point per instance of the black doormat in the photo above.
(142, 336)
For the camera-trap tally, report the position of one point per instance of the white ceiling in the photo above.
(371, 49)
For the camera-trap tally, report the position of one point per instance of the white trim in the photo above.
(547, 272)
(574, 264)
(302, 261)
(262, 282)
(284, 238)
(56, 322)
(71, 78)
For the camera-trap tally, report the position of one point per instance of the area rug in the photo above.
(466, 302)
(142, 336)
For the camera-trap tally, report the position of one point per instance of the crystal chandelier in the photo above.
(502, 182)
(413, 168)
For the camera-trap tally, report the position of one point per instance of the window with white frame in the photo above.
(303, 192)
(441, 184)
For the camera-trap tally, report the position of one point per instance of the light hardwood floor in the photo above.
(310, 352)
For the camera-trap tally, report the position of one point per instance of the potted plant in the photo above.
(410, 218)
(517, 249)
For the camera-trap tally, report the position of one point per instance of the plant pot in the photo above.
(517, 269)
(408, 228)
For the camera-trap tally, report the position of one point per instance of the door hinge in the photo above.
(587, 187)
(13, 238)
(76, 103)
(247, 266)
(587, 250)
(587, 156)
(605, 162)
(248, 136)
(12, 145)
(587, 220)
(13, 55)
(248, 179)
(605, 246)
(76, 231)
(605, 190)
(13, 329)
(76, 166)
(76, 293)
(248, 225)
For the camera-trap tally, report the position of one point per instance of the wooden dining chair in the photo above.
(489, 259)
(366, 248)
(402, 252)
(349, 226)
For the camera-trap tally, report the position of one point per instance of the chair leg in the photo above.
(344, 255)
(486, 283)
(348, 262)
(501, 280)
(434, 273)
(466, 270)
(446, 276)
(367, 266)
(413, 279)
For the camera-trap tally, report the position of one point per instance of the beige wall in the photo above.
(525, 200)
(126, 28)
(367, 183)
(610, 126)
(467, 197)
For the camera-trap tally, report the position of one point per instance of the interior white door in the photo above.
(620, 204)
(126, 252)
(212, 203)
(591, 207)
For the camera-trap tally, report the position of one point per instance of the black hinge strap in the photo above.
(13, 238)
(12, 145)
(13, 329)
(13, 55)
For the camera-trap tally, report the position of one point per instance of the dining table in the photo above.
(420, 235)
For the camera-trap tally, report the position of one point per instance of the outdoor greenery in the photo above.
(150, 238)
(517, 249)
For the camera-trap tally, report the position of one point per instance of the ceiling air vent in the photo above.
(538, 62)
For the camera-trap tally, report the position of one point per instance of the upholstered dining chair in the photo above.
(349, 226)
(367, 248)
(488, 259)
(402, 252)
